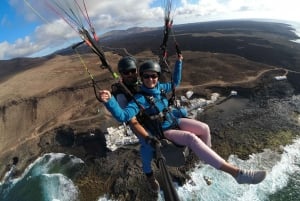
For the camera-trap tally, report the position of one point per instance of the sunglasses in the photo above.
(147, 76)
(133, 71)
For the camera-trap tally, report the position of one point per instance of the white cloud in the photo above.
(20, 48)
(120, 14)
(231, 9)
(4, 47)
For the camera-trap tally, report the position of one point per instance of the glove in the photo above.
(153, 141)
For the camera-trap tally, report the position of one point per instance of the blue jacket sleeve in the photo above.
(121, 115)
(177, 73)
(168, 86)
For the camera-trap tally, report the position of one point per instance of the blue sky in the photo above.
(36, 31)
(10, 22)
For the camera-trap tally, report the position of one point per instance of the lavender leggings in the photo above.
(195, 135)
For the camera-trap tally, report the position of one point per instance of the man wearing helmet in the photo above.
(128, 70)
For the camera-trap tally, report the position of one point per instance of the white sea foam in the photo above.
(45, 179)
(280, 167)
(57, 187)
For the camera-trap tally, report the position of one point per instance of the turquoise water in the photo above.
(281, 183)
(49, 179)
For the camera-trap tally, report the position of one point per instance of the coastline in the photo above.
(233, 132)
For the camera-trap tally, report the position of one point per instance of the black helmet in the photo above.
(149, 66)
(126, 63)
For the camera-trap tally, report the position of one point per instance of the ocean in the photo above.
(49, 178)
(281, 184)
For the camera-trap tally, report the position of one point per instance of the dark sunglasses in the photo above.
(147, 76)
(133, 71)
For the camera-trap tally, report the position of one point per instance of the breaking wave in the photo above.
(47, 179)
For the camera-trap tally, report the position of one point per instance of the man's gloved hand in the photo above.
(153, 141)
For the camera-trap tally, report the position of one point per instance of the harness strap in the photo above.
(161, 115)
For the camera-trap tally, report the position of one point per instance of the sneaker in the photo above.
(250, 176)
(153, 184)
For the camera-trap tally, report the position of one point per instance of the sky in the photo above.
(32, 28)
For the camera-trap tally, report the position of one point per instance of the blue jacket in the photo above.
(161, 102)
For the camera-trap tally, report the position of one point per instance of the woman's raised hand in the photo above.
(180, 57)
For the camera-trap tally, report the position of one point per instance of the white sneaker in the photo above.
(251, 176)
